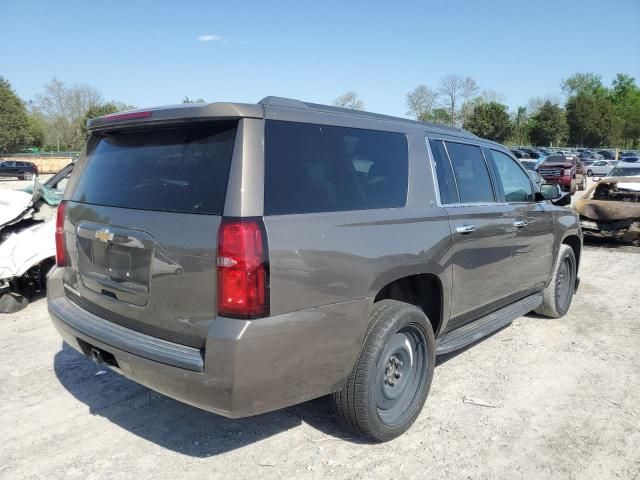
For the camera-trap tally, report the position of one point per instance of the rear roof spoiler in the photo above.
(181, 112)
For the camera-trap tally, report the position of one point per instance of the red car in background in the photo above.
(566, 171)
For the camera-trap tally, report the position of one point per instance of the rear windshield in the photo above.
(175, 169)
(320, 168)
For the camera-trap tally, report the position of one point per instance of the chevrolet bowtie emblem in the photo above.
(104, 235)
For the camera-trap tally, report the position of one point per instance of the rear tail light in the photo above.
(243, 268)
(61, 253)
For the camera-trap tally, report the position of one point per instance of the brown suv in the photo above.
(243, 258)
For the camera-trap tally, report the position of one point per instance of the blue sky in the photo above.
(149, 53)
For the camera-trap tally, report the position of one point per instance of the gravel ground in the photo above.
(564, 396)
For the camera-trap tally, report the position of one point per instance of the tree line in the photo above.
(588, 113)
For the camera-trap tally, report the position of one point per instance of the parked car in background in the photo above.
(600, 168)
(20, 170)
(564, 170)
(624, 169)
(630, 159)
(243, 257)
(611, 208)
(592, 156)
(529, 164)
(531, 152)
(607, 154)
(520, 153)
(27, 243)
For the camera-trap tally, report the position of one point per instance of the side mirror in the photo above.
(550, 192)
(554, 194)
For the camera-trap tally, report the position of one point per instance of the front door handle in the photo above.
(520, 223)
(466, 229)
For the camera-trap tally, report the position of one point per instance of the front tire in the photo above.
(392, 376)
(590, 173)
(558, 295)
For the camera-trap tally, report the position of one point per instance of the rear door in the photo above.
(142, 225)
(482, 230)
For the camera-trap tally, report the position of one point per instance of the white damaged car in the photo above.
(27, 239)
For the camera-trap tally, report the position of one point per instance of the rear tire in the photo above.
(590, 173)
(392, 376)
(558, 295)
(27, 175)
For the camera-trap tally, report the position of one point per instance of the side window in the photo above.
(322, 168)
(514, 181)
(444, 173)
(470, 170)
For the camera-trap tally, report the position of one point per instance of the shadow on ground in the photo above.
(608, 243)
(175, 425)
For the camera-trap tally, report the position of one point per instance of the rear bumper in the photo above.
(248, 366)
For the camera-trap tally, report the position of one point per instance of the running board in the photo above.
(471, 332)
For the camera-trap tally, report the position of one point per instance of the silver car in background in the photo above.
(601, 168)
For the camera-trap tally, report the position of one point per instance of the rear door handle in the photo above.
(520, 223)
(465, 229)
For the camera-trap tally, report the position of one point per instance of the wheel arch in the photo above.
(425, 290)
(576, 245)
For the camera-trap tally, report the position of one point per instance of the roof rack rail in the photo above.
(272, 101)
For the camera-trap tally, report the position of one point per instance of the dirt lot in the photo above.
(565, 396)
(564, 400)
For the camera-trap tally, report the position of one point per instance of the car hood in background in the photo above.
(610, 210)
(13, 204)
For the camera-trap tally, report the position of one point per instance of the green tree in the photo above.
(548, 126)
(625, 96)
(592, 120)
(440, 116)
(36, 131)
(63, 108)
(14, 123)
(583, 83)
(521, 126)
(490, 120)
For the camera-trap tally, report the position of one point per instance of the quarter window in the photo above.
(470, 170)
(444, 173)
(513, 180)
(322, 168)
